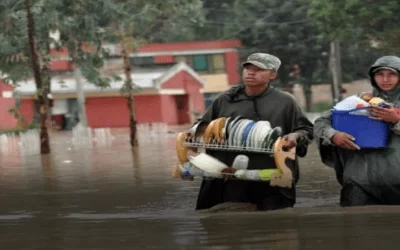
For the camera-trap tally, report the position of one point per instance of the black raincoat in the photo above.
(367, 176)
(280, 109)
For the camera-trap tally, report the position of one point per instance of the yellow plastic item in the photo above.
(376, 101)
(181, 149)
(217, 130)
(266, 174)
(208, 134)
(284, 177)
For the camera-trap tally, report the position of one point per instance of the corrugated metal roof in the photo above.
(144, 80)
(68, 85)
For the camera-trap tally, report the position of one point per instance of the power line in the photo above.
(267, 23)
(232, 10)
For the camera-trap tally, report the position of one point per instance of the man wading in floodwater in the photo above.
(257, 100)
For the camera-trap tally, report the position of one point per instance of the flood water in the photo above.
(101, 197)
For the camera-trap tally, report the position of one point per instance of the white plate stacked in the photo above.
(246, 133)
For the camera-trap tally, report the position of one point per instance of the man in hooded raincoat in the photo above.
(257, 100)
(367, 176)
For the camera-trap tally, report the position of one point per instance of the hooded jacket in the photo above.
(376, 171)
(275, 106)
(392, 62)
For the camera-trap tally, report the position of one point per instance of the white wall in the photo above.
(60, 106)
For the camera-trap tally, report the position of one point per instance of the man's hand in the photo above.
(291, 140)
(388, 114)
(344, 140)
(228, 172)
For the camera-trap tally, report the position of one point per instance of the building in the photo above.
(215, 61)
(7, 120)
(175, 82)
(169, 96)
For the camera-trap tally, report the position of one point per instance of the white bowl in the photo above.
(210, 165)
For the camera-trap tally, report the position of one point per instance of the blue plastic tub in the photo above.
(368, 133)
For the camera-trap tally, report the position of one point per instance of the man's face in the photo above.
(254, 76)
(386, 79)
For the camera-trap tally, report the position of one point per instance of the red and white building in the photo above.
(174, 81)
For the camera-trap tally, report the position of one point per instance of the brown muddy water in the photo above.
(101, 197)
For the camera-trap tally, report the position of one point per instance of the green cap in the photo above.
(263, 61)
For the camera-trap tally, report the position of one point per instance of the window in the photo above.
(142, 60)
(218, 63)
(204, 64)
(200, 63)
(7, 94)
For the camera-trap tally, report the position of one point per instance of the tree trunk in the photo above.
(46, 81)
(335, 68)
(129, 88)
(81, 97)
(304, 77)
(307, 91)
(44, 136)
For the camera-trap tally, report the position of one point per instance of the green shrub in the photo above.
(322, 106)
(18, 130)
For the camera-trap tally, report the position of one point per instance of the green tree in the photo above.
(284, 29)
(85, 24)
(290, 30)
(135, 23)
(217, 15)
(25, 44)
(365, 29)
(365, 22)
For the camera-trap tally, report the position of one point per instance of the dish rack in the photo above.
(226, 147)
(281, 176)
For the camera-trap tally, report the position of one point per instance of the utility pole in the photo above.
(336, 71)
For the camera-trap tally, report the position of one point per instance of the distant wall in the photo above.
(322, 93)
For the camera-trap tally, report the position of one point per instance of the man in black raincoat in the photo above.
(257, 100)
(367, 176)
